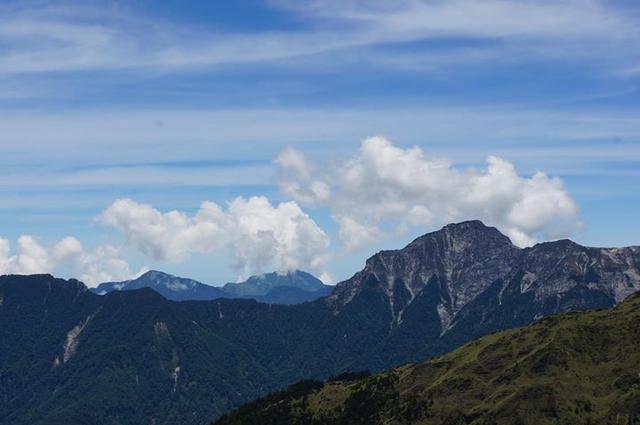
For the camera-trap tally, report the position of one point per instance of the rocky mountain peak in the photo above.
(469, 266)
(458, 241)
(466, 233)
(468, 239)
(445, 255)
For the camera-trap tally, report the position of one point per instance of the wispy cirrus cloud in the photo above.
(45, 156)
(62, 38)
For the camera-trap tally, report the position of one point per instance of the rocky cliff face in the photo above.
(469, 268)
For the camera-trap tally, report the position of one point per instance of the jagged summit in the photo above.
(462, 239)
(465, 229)
(473, 229)
(458, 237)
(446, 255)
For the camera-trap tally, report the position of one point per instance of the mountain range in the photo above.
(574, 368)
(68, 355)
(291, 287)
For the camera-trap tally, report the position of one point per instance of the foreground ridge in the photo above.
(577, 368)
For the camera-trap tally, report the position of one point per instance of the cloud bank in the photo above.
(386, 189)
(382, 191)
(259, 235)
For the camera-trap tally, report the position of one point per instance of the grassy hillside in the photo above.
(575, 368)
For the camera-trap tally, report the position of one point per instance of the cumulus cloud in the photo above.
(386, 188)
(297, 177)
(260, 235)
(105, 263)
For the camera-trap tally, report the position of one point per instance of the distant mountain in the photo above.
(131, 357)
(280, 288)
(292, 287)
(169, 286)
(292, 295)
(578, 368)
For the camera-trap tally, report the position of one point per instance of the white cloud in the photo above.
(260, 235)
(297, 180)
(31, 257)
(103, 264)
(355, 234)
(387, 188)
(170, 235)
(68, 247)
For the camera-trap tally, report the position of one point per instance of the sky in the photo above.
(215, 140)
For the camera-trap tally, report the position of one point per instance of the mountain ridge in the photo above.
(291, 287)
(403, 306)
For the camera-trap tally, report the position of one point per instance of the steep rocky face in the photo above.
(465, 259)
(468, 257)
(473, 280)
(556, 268)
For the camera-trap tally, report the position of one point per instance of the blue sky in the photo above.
(171, 104)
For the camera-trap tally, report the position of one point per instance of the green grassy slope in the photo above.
(575, 368)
